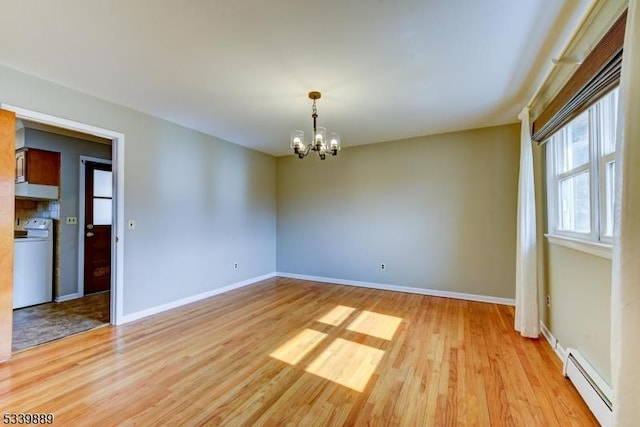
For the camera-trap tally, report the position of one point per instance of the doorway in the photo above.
(73, 311)
(42, 320)
(115, 257)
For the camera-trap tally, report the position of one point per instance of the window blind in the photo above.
(594, 78)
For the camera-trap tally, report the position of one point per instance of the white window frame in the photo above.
(596, 166)
(603, 162)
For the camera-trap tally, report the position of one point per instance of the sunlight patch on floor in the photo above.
(337, 315)
(295, 349)
(347, 363)
(375, 324)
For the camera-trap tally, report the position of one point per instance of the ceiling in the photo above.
(241, 70)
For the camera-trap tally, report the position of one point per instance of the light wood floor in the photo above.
(290, 352)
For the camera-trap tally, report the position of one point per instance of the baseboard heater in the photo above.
(593, 389)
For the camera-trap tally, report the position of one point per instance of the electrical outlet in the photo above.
(71, 220)
(382, 266)
(235, 265)
(548, 300)
(131, 225)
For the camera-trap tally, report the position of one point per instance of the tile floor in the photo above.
(42, 323)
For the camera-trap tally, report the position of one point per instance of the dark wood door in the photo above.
(98, 215)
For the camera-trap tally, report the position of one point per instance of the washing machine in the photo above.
(33, 263)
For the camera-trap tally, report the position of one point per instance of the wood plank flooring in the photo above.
(291, 352)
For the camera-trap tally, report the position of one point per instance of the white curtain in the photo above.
(527, 321)
(625, 295)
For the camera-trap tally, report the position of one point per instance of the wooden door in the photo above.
(98, 214)
(7, 212)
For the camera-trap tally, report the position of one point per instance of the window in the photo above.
(581, 171)
(102, 197)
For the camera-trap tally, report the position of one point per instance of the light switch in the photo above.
(132, 224)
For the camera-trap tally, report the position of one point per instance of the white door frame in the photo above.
(117, 231)
(81, 218)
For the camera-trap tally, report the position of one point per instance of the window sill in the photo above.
(597, 249)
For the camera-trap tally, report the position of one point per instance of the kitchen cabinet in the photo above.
(36, 166)
(37, 174)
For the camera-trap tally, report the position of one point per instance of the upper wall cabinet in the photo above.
(37, 173)
(37, 166)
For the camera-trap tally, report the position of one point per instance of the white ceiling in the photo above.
(240, 70)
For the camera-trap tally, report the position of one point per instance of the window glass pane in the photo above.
(102, 183)
(101, 211)
(575, 147)
(607, 120)
(609, 173)
(575, 206)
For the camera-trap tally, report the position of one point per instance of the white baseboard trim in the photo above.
(68, 297)
(548, 335)
(411, 290)
(553, 342)
(183, 301)
(561, 352)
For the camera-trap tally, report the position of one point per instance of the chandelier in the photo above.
(319, 143)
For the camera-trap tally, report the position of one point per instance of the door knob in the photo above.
(89, 226)
(89, 234)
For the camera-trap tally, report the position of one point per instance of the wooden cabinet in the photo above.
(21, 158)
(36, 166)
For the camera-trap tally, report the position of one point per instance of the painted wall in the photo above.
(200, 203)
(439, 211)
(70, 151)
(579, 285)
